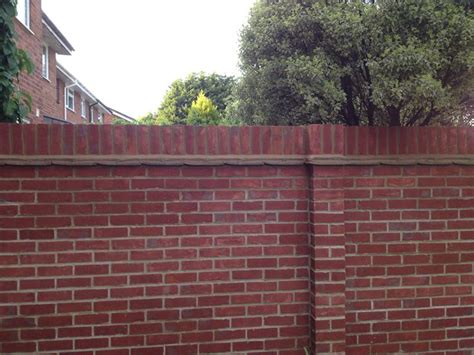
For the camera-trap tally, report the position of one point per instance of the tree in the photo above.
(203, 112)
(355, 62)
(148, 119)
(14, 104)
(181, 94)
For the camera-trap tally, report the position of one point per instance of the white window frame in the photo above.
(83, 108)
(100, 117)
(70, 94)
(45, 62)
(24, 16)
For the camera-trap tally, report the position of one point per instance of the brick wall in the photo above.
(409, 259)
(108, 118)
(51, 106)
(251, 240)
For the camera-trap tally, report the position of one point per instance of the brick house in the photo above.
(57, 95)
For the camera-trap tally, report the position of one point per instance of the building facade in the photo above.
(57, 95)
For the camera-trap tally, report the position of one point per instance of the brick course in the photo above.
(340, 239)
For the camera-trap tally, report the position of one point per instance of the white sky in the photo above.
(129, 52)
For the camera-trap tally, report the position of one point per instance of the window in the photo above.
(70, 100)
(23, 12)
(100, 118)
(45, 62)
(83, 109)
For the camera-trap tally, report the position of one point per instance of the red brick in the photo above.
(128, 341)
(37, 334)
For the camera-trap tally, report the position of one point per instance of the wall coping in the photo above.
(249, 160)
(85, 145)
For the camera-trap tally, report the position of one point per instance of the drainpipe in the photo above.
(66, 88)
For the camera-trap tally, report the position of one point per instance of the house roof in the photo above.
(54, 38)
(70, 79)
(121, 115)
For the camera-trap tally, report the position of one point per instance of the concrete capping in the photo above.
(237, 160)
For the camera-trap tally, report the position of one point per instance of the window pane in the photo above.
(83, 108)
(20, 8)
(70, 99)
(45, 63)
(23, 11)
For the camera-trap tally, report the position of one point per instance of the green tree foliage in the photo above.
(14, 104)
(148, 119)
(203, 112)
(181, 94)
(393, 63)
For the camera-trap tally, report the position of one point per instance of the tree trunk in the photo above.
(371, 113)
(370, 106)
(350, 114)
(394, 115)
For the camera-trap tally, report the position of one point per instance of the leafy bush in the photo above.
(203, 112)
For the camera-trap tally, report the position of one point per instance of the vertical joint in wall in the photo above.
(327, 274)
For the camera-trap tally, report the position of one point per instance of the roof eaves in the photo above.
(122, 115)
(81, 86)
(106, 108)
(57, 33)
(74, 80)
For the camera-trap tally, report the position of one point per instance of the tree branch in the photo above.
(433, 113)
(415, 117)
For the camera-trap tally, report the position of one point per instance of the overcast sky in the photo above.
(129, 52)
